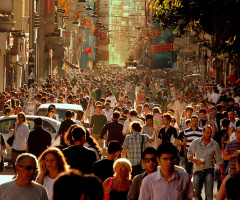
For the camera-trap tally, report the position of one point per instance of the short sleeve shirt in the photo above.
(230, 149)
(166, 135)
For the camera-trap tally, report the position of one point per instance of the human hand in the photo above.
(235, 154)
(43, 169)
(199, 163)
(222, 177)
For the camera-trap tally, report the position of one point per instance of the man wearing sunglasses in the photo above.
(23, 187)
(168, 182)
(150, 163)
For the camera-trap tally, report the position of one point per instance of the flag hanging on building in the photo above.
(88, 50)
(79, 40)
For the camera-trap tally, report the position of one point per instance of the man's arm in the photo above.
(145, 191)
(124, 152)
(133, 191)
(227, 156)
(103, 131)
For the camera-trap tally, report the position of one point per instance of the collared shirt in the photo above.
(156, 187)
(133, 143)
(207, 153)
(148, 132)
(165, 135)
(20, 137)
(128, 122)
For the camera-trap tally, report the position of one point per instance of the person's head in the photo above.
(189, 111)
(21, 118)
(80, 115)
(116, 115)
(26, 166)
(231, 130)
(139, 109)
(69, 185)
(53, 159)
(135, 127)
(167, 154)
(120, 102)
(237, 133)
(149, 159)
(68, 114)
(114, 148)
(173, 121)
(149, 120)
(225, 123)
(126, 113)
(231, 115)
(188, 123)
(167, 118)
(202, 114)
(146, 107)
(79, 134)
(156, 110)
(122, 168)
(107, 106)
(38, 121)
(133, 113)
(194, 121)
(207, 132)
(99, 110)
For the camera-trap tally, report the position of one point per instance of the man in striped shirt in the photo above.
(191, 134)
(231, 151)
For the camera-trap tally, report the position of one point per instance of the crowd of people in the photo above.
(148, 135)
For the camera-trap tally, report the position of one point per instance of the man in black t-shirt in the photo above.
(103, 169)
(220, 134)
(39, 139)
(166, 133)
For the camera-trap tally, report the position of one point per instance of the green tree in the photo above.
(218, 18)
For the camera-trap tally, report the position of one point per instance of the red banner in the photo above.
(164, 47)
(48, 7)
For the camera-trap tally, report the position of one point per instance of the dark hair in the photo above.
(116, 115)
(202, 111)
(167, 147)
(188, 121)
(136, 126)
(146, 105)
(78, 133)
(71, 181)
(149, 150)
(168, 116)
(149, 116)
(93, 143)
(225, 114)
(68, 114)
(225, 122)
(133, 113)
(189, 108)
(113, 147)
(38, 121)
(126, 111)
(99, 107)
(93, 183)
(207, 126)
(219, 107)
(68, 138)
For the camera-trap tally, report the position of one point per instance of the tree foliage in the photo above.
(218, 18)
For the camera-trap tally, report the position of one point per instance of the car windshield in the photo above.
(60, 114)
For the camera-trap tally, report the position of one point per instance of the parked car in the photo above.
(61, 108)
(49, 124)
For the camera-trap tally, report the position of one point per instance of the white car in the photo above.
(61, 108)
(49, 124)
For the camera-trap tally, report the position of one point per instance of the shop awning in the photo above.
(70, 64)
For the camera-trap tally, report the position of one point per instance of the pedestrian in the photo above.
(78, 156)
(39, 139)
(103, 169)
(149, 161)
(3, 152)
(64, 127)
(203, 152)
(113, 130)
(117, 187)
(166, 183)
(51, 163)
(133, 145)
(21, 133)
(23, 187)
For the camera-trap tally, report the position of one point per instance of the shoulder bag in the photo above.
(11, 138)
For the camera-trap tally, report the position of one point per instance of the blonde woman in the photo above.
(117, 187)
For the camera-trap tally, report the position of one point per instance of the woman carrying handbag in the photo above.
(21, 133)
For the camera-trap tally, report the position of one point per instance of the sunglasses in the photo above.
(29, 167)
(147, 160)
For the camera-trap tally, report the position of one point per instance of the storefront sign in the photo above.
(48, 7)
(163, 47)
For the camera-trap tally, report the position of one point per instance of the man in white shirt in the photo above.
(215, 96)
(108, 112)
(133, 117)
(179, 106)
(112, 99)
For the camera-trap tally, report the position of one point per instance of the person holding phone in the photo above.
(52, 162)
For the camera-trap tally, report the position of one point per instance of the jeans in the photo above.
(205, 177)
